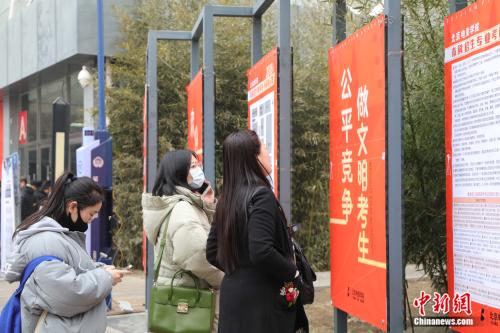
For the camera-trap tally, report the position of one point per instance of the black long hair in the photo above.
(85, 191)
(173, 171)
(242, 174)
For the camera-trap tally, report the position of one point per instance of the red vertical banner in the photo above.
(195, 114)
(472, 137)
(357, 70)
(23, 127)
(263, 106)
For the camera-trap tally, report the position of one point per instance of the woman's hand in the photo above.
(209, 195)
(116, 274)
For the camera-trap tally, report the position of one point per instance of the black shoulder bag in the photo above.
(306, 273)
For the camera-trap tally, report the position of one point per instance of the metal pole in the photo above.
(394, 167)
(339, 34)
(338, 20)
(208, 96)
(152, 123)
(100, 65)
(256, 39)
(285, 107)
(195, 57)
(152, 159)
(88, 119)
(456, 5)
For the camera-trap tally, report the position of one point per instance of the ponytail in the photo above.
(83, 190)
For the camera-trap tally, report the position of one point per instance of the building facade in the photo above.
(43, 46)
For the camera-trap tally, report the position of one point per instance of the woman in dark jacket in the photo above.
(249, 241)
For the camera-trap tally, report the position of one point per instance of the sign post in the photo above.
(263, 110)
(339, 34)
(357, 174)
(195, 114)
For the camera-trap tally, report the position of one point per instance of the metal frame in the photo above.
(339, 34)
(100, 66)
(456, 5)
(395, 220)
(152, 120)
(205, 26)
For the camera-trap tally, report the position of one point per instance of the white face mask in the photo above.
(198, 177)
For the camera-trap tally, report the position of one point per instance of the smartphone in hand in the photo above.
(203, 188)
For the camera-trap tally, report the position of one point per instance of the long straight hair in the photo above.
(173, 171)
(85, 191)
(242, 174)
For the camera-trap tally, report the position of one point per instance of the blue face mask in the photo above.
(198, 177)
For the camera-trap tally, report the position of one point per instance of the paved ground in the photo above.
(129, 296)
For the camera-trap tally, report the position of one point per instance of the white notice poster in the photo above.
(476, 176)
(262, 122)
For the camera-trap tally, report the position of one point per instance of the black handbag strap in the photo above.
(163, 241)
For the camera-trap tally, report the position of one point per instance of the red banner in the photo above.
(263, 106)
(195, 114)
(472, 108)
(23, 127)
(358, 173)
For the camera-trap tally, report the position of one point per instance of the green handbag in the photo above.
(176, 309)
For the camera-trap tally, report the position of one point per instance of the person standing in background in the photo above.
(181, 190)
(28, 201)
(249, 241)
(22, 183)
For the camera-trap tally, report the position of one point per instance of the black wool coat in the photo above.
(250, 299)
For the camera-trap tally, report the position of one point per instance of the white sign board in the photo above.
(10, 202)
(84, 168)
(262, 122)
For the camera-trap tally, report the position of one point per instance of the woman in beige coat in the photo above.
(182, 190)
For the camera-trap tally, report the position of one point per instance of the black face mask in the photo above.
(79, 225)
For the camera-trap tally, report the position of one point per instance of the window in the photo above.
(32, 165)
(76, 108)
(72, 156)
(46, 163)
(29, 103)
(50, 92)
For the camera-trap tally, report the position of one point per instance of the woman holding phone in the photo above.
(182, 191)
(66, 295)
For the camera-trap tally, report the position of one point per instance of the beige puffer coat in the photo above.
(187, 233)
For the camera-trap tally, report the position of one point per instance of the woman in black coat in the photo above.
(249, 241)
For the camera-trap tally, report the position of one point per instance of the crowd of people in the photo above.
(33, 195)
(237, 245)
